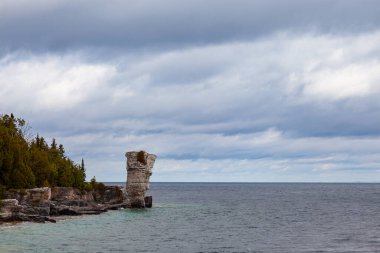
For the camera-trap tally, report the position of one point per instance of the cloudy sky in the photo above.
(220, 90)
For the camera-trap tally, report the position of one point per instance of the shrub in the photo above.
(100, 187)
(87, 187)
(97, 186)
(2, 193)
(141, 157)
(21, 191)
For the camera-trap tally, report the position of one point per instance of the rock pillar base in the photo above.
(148, 201)
(139, 168)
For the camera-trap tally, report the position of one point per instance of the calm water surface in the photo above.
(220, 217)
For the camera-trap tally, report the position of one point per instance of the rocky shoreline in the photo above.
(44, 204)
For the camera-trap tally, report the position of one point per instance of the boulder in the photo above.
(9, 208)
(148, 201)
(111, 195)
(33, 196)
(39, 195)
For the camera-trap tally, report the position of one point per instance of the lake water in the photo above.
(220, 217)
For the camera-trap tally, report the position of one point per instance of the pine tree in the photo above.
(61, 150)
(53, 144)
(26, 164)
(83, 169)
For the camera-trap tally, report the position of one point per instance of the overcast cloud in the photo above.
(219, 90)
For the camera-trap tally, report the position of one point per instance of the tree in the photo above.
(15, 171)
(26, 164)
(42, 167)
(83, 169)
(61, 150)
(53, 144)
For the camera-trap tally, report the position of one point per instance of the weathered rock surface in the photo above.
(67, 194)
(33, 196)
(111, 195)
(10, 210)
(139, 168)
(9, 207)
(39, 204)
(148, 201)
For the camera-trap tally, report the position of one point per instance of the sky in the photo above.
(219, 90)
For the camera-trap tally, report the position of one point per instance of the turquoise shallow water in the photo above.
(209, 217)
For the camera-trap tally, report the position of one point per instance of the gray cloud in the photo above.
(63, 25)
(247, 87)
(230, 90)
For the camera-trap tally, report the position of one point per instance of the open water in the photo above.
(220, 217)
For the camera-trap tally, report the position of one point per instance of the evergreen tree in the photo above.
(53, 144)
(26, 164)
(83, 169)
(15, 171)
(61, 150)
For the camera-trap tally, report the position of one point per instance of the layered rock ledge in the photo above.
(43, 204)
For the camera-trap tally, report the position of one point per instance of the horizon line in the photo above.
(268, 182)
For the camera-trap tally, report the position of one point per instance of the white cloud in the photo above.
(335, 68)
(249, 111)
(49, 82)
(238, 77)
(356, 80)
(300, 68)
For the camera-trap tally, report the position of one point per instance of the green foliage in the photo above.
(26, 164)
(97, 186)
(101, 187)
(141, 157)
(18, 191)
(2, 192)
(87, 187)
(83, 169)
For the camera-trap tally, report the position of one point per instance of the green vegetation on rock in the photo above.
(98, 186)
(2, 191)
(141, 157)
(28, 164)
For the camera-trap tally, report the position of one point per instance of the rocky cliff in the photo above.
(139, 168)
(42, 204)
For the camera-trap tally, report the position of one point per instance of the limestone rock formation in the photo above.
(30, 196)
(67, 194)
(139, 168)
(39, 204)
(8, 208)
(26, 205)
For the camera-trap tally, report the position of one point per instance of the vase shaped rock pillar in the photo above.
(139, 170)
